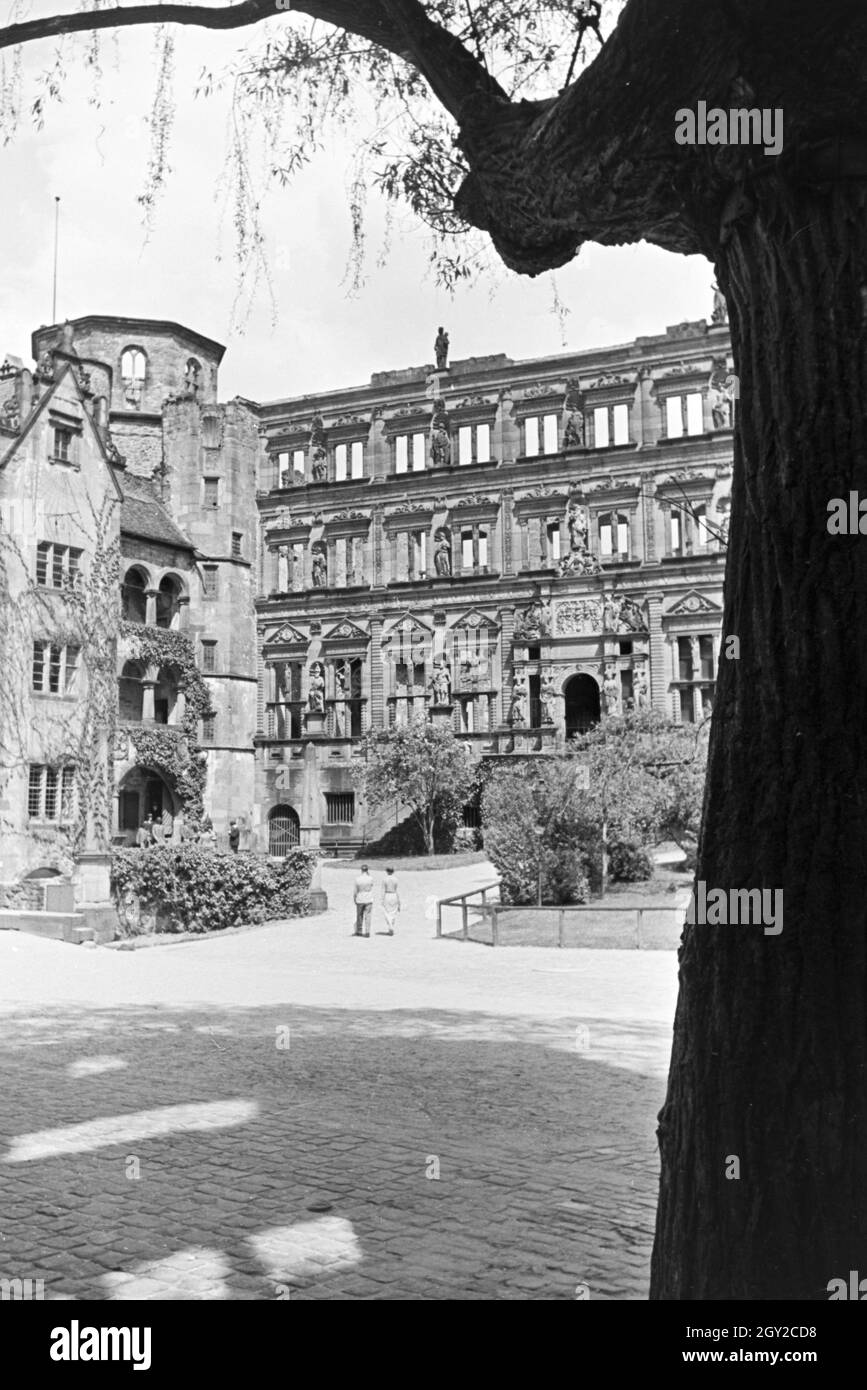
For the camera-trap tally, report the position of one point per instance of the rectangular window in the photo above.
(70, 668)
(483, 549)
(418, 454)
(340, 808)
(42, 554)
(606, 540)
(531, 436)
(705, 653)
(340, 463)
(62, 444)
(237, 537)
(282, 468)
(684, 658)
(38, 665)
(67, 793)
(703, 535)
(298, 461)
(209, 728)
(687, 707)
(623, 538)
(357, 459)
(621, 424)
(73, 559)
(34, 793)
(695, 414)
(209, 656)
(211, 496)
(600, 427)
(551, 435)
(417, 554)
(57, 555)
(483, 443)
(467, 560)
(50, 806)
(400, 453)
(209, 580)
(465, 444)
(553, 534)
(676, 533)
(673, 417)
(54, 663)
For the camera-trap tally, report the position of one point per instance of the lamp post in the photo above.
(539, 832)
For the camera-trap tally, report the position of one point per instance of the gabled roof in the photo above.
(87, 423)
(143, 515)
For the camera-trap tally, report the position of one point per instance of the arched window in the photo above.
(284, 830)
(133, 597)
(133, 365)
(130, 693)
(168, 596)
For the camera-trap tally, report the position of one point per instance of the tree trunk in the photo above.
(769, 1057)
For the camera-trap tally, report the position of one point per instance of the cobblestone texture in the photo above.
(295, 1113)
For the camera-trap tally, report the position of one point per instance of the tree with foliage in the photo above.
(596, 159)
(421, 767)
(626, 782)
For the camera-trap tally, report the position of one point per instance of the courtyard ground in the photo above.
(292, 1112)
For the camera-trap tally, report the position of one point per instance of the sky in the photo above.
(316, 334)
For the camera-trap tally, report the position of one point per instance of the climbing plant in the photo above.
(174, 750)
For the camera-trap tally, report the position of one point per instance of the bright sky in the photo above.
(96, 159)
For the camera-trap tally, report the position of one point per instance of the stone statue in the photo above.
(440, 436)
(548, 696)
(441, 348)
(640, 692)
(720, 312)
(611, 691)
(632, 617)
(320, 465)
(611, 615)
(720, 407)
(320, 568)
(318, 447)
(576, 521)
(441, 684)
(573, 430)
(316, 694)
(535, 621)
(341, 685)
(443, 554)
(191, 377)
(518, 710)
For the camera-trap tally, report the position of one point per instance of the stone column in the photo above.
(148, 686)
(151, 607)
(659, 659)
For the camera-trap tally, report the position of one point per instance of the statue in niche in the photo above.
(45, 368)
(284, 562)
(535, 621)
(548, 696)
(576, 521)
(518, 710)
(316, 691)
(441, 684)
(318, 448)
(441, 348)
(320, 568)
(720, 313)
(341, 692)
(720, 407)
(633, 618)
(443, 554)
(573, 416)
(640, 691)
(320, 465)
(440, 437)
(191, 377)
(610, 615)
(611, 691)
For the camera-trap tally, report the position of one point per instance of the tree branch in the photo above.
(202, 16)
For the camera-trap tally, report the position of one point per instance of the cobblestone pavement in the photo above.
(291, 1112)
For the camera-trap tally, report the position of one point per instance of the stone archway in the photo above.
(284, 830)
(144, 792)
(583, 704)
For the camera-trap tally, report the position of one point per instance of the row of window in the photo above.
(684, 415)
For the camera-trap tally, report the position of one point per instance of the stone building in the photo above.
(217, 600)
(515, 548)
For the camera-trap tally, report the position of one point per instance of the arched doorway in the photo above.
(583, 709)
(284, 830)
(143, 792)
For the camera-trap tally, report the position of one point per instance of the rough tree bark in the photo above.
(770, 1046)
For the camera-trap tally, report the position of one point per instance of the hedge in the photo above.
(198, 889)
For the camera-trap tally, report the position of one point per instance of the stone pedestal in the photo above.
(314, 724)
(318, 896)
(92, 888)
(442, 716)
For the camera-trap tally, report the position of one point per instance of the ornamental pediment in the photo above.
(691, 603)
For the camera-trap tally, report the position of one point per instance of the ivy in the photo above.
(174, 750)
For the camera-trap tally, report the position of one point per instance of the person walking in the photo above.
(362, 896)
(234, 836)
(390, 900)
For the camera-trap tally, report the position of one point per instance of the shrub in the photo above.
(195, 888)
(407, 840)
(628, 862)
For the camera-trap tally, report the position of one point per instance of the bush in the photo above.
(195, 888)
(628, 862)
(467, 837)
(407, 841)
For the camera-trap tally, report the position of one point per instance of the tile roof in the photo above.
(143, 514)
